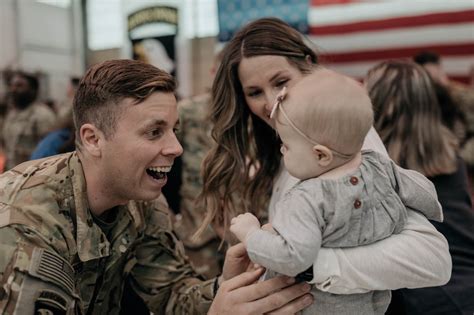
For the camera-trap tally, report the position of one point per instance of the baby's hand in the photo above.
(243, 224)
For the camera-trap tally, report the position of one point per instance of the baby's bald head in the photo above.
(330, 108)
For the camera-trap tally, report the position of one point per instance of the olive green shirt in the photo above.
(54, 257)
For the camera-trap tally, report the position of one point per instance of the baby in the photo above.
(345, 197)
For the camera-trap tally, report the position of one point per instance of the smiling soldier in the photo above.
(73, 227)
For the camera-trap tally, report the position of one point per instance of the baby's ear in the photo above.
(323, 155)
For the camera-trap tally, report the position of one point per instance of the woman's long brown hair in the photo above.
(408, 118)
(239, 170)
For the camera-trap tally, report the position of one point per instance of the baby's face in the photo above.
(298, 154)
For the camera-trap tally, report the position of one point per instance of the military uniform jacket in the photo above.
(195, 137)
(54, 257)
(23, 129)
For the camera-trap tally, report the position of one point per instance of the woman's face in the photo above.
(262, 77)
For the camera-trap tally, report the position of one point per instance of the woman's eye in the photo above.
(253, 93)
(281, 83)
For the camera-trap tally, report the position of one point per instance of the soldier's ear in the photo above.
(91, 138)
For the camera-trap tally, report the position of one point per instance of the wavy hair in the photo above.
(408, 118)
(238, 171)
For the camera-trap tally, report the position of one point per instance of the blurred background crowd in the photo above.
(46, 45)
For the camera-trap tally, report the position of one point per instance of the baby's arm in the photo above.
(294, 247)
(416, 192)
(417, 257)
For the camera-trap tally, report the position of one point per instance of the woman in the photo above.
(408, 119)
(243, 171)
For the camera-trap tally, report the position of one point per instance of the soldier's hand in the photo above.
(244, 295)
(236, 262)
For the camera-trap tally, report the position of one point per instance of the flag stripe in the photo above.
(406, 37)
(462, 49)
(379, 10)
(397, 22)
(456, 66)
(354, 37)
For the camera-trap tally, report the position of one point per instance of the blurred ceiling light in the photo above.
(56, 3)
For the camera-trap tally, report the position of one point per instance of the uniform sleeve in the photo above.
(34, 279)
(162, 276)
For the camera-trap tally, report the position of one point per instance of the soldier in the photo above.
(204, 250)
(195, 137)
(72, 230)
(27, 121)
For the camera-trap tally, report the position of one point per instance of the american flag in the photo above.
(353, 35)
(235, 13)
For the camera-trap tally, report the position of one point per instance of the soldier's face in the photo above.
(21, 92)
(137, 157)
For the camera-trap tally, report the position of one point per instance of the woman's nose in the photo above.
(270, 102)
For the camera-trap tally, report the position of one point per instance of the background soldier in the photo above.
(27, 121)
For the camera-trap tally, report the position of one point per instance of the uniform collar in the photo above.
(91, 241)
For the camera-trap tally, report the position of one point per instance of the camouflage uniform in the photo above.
(195, 137)
(22, 131)
(54, 257)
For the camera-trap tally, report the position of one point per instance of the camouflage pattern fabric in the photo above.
(23, 129)
(195, 137)
(54, 259)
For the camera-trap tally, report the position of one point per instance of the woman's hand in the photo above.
(244, 295)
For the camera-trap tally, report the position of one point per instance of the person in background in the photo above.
(463, 100)
(75, 227)
(243, 170)
(408, 119)
(195, 137)
(65, 108)
(27, 120)
(451, 116)
(59, 140)
(345, 197)
(51, 105)
(3, 113)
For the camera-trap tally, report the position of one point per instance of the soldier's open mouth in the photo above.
(158, 172)
(156, 175)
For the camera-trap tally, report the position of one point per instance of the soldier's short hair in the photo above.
(105, 85)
